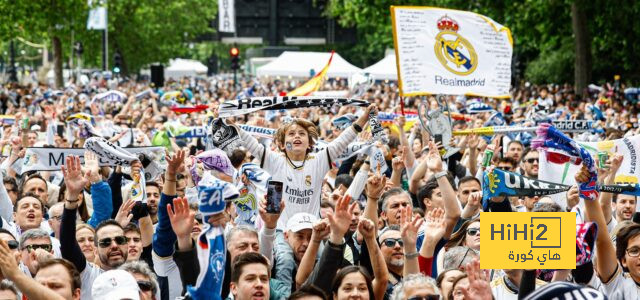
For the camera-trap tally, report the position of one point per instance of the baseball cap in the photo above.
(301, 221)
(115, 285)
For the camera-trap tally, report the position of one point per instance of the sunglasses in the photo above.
(13, 245)
(106, 242)
(473, 231)
(427, 297)
(145, 286)
(392, 242)
(33, 247)
(532, 160)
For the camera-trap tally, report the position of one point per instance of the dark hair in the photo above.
(546, 207)
(2, 230)
(509, 160)
(467, 179)
(343, 179)
(615, 198)
(454, 282)
(76, 283)
(32, 176)
(457, 238)
(394, 142)
(441, 275)
(105, 223)
(237, 157)
(153, 183)
(515, 142)
(326, 203)
(426, 191)
(131, 227)
(29, 195)
(390, 193)
(307, 290)
(337, 281)
(10, 181)
(246, 259)
(420, 211)
(623, 237)
(526, 151)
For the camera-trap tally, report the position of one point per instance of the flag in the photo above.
(314, 83)
(97, 19)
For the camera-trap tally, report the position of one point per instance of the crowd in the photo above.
(107, 224)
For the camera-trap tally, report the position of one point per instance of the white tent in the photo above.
(300, 64)
(384, 69)
(184, 67)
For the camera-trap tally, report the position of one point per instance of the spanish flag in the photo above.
(314, 83)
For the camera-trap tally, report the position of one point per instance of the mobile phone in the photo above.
(438, 139)
(274, 196)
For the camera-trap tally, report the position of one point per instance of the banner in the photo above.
(314, 83)
(51, 159)
(239, 107)
(503, 183)
(259, 132)
(453, 52)
(110, 96)
(226, 16)
(97, 19)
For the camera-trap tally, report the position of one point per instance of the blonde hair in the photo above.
(311, 129)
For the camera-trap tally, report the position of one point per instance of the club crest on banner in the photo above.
(453, 51)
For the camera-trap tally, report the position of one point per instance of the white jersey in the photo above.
(622, 286)
(503, 291)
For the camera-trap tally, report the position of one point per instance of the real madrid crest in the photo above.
(307, 180)
(453, 51)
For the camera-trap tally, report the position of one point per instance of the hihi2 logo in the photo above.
(540, 240)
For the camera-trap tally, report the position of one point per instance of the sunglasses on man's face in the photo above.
(13, 245)
(145, 286)
(33, 247)
(392, 242)
(106, 242)
(532, 160)
(427, 297)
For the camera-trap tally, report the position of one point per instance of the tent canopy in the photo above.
(384, 69)
(184, 67)
(300, 64)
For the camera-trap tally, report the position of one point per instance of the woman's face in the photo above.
(353, 286)
(457, 289)
(472, 236)
(447, 281)
(84, 237)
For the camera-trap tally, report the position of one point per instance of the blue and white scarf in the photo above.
(250, 192)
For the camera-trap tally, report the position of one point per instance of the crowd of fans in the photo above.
(411, 231)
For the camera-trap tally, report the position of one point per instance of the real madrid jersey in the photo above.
(302, 180)
(622, 286)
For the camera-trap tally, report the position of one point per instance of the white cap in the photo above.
(115, 285)
(301, 221)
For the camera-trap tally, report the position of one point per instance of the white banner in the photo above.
(555, 168)
(97, 19)
(50, 159)
(444, 51)
(226, 16)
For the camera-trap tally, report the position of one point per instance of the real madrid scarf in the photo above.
(252, 185)
(248, 105)
(224, 136)
(502, 183)
(549, 137)
(210, 246)
(377, 131)
(217, 160)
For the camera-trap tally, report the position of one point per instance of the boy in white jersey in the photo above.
(302, 173)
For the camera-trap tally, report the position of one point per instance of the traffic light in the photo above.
(117, 62)
(235, 58)
(78, 49)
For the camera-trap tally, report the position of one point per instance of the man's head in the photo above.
(112, 244)
(415, 285)
(466, 186)
(250, 276)
(115, 284)
(153, 196)
(342, 183)
(393, 201)
(514, 150)
(628, 249)
(28, 212)
(458, 257)
(391, 246)
(508, 164)
(31, 241)
(242, 239)
(430, 195)
(61, 276)
(298, 136)
(8, 290)
(13, 244)
(146, 279)
(355, 217)
(32, 138)
(38, 186)
(530, 160)
(298, 234)
(134, 241)
(55, 216)
(12, 188)
(625, 206)
(530, 202)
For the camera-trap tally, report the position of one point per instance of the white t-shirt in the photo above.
(87, 277)
(502, 291)
(622, 286)
(166, 267)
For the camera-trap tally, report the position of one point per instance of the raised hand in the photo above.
(435, 225)
(376, 184)
(367, 229)
(434, 161)
(573, 196)
(340, 219)
(362, 120)
(479, 287)
(174, 163)
(398, 163)
(270, 219)
(321, 230)
(124, 216)
(475, 199)
(8, 263)
(400, 122)
(182, 221)
(409, 226)
(91, 163)
(73, 178)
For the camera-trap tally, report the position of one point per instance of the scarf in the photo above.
(210, 246)
(549, 137)
(224, 137)
(253, 188)
(586, 234)
(217, 160)
(86, 129)
(248, 105)
(110, 96)
(377, 131)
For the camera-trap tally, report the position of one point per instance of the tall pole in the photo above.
(105, 39)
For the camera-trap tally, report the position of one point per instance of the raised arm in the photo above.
(100, 191)
(252, 144)
(606, 261)
(409, 230)
(367, 230)
(416, 177)
(75, 182)
(410, 158)
(164, 237)
(375, 187)
(451, 206)
(308, 262)
(605, 198)
(268, 231)
(397, 165)
(337, 146)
